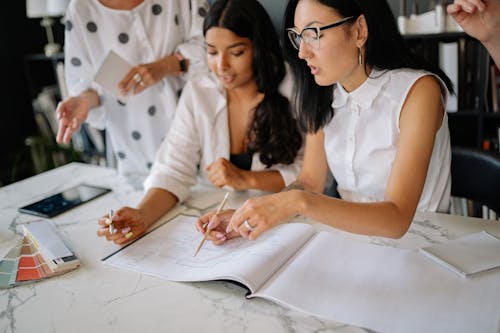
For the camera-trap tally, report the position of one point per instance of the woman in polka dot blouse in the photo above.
(234, 126)
(163, 41)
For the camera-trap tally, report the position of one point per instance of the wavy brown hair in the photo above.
(274, 132)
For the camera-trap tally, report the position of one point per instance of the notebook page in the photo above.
(384, 289)
(167, 253)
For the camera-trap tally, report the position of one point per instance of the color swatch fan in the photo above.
(40, 254)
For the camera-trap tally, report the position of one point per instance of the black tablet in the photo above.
(63, 201)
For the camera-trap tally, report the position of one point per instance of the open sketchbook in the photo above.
(327, 275)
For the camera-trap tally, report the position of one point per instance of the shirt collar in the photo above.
(364, 95)
(211, 81)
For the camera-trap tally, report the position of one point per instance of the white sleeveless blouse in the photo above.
(362, 138)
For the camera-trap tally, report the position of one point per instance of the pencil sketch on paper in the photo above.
(168, 252)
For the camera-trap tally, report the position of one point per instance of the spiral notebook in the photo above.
(468, 255)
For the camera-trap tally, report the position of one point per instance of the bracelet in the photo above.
(183, 65)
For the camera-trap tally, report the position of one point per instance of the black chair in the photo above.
(475, 175)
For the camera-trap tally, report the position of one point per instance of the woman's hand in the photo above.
(217, 224)
(478, 18)
(72, 112)
(222, 173)
(128, 224)
(142, 76)
(257, 215)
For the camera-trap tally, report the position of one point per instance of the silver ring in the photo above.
(248, 226)
(137, 77)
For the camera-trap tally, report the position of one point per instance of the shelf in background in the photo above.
(444, 36)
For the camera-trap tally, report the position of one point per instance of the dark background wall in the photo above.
(19, 36)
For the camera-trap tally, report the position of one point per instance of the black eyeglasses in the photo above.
(311, 35)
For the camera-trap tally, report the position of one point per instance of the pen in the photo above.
(111, 227)
(208, 229)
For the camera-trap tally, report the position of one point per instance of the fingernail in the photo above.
(220, 235)
(128, 235)
(211, 224)
(125, 230)
(108, 221)
(228, 229)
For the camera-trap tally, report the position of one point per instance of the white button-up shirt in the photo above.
(199, 136)
(361, 140)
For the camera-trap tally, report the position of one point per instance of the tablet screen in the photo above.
(63, 201)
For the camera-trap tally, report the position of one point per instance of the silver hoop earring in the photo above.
(360, 57)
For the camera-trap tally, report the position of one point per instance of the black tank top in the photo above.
(242, 161)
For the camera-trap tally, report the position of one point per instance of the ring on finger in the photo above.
(248, 226)
(137, 77)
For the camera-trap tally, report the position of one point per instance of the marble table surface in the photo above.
(99, 298)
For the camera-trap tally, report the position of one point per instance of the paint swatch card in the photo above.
(40, 254)
(58, 256)
(9, 264)
(111, 72)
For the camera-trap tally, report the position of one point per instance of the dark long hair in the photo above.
(385, 49)
(274, 132)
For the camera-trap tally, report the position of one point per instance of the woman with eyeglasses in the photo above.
(375, 116)
(233, 127)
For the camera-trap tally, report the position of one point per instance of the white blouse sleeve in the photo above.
(176, 163)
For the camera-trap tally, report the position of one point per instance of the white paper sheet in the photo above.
(168, 252)
(467, 255)
(111, 72)
(384, 289)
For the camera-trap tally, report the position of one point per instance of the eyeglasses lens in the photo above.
(309, 36)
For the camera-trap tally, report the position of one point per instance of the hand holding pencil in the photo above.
(209, 225)
(122, 226)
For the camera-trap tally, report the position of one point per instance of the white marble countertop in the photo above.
(99, 298)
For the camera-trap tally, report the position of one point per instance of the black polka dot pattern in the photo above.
(156, 9)
(68, 25)
(91, 27)
(121, 155)
(176, 19)
(152, 110)
(202, 11)
(149, 165)
(136, 135)
(120, 102)
(76, 62)
(123, 38)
